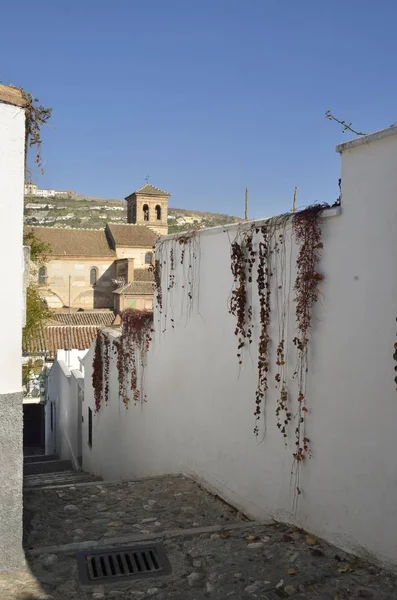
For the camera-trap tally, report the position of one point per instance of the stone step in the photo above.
(50, 466)
(57, 479)
(40, 458)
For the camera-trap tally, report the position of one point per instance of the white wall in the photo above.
(12, 157)
(198, 418)
(63, 385)
(71, 358)
(12, 172)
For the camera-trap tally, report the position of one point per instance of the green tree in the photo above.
(37, 312)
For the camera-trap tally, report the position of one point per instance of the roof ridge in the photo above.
(68, 228)
(154, 187)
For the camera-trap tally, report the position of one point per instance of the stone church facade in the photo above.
(105, 268)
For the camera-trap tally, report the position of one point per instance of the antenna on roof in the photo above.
(294, 202)
(246, 205)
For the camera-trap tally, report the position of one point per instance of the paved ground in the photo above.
(215, 553)
(99, 512)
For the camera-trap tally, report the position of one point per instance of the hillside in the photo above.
(95, 213)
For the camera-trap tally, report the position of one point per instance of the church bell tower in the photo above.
(148, 206)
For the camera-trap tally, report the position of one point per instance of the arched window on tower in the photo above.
(145, 212)
(93, 276)
(158, 212)
(42, 277)
(148, 258)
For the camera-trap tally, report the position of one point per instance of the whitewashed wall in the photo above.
(12, 173)
(198, 418)
(12, 147)
(62, 392)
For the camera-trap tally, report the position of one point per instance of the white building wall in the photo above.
(198, 418)
(12, 174)
(63, 393)
(12, 157)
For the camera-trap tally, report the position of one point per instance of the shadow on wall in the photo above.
(100, 295)
(103, 289)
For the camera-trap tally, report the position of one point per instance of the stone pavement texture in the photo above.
(242, 560)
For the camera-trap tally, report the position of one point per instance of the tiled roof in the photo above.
(52, 338)
(143, 275)
(74, 242)
(97, 318)
(137, 288)
(150, 190)
(131, 235)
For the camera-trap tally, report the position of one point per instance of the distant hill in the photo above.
(88, 212)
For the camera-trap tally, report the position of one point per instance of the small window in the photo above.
(42, 276)
(158, 212)
(148, 258)
(52, 416)
(145, 212)
(93, 276)
(90, 427)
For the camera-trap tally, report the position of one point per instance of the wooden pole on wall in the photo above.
(294, 203)
(246, 205)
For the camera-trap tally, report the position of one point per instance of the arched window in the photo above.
(158, 212)
(145, 212)
(148, 258)
(93, 276)
(42, 276)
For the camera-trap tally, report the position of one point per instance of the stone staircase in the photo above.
(48, 470)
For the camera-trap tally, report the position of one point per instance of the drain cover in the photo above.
(122, 564)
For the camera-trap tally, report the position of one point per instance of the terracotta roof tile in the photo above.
(97, 318)
(143, 275)
(52, 338)
(131, 235)
(150, 190)
(74, 242)
(137, 288)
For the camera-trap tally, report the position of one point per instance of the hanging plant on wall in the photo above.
(263, 283)
(133, 345)
(130, 351)
(183, 251)
(97, 371)
(242, 257)
(307, 233)
(270, 273)
(282, 286)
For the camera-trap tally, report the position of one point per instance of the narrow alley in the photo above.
(214, 551)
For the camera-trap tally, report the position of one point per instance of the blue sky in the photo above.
(206, 97)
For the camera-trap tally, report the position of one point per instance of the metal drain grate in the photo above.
(121, 564)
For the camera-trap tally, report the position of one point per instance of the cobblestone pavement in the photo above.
(102, 511)
(243, 561)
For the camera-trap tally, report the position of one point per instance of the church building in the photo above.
(105, 268)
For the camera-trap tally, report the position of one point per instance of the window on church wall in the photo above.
(148, 258)
(42, 276)
(145, 209)
(93, 276)
(158, 212)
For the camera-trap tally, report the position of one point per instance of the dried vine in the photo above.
(242, 257)
(263, 281)
(35, 117)
(307, 234)
(156, 270)
(283, 290)
(130, 350)
(135, 338)
(97, 371)
(184, 249)
(106, 367)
